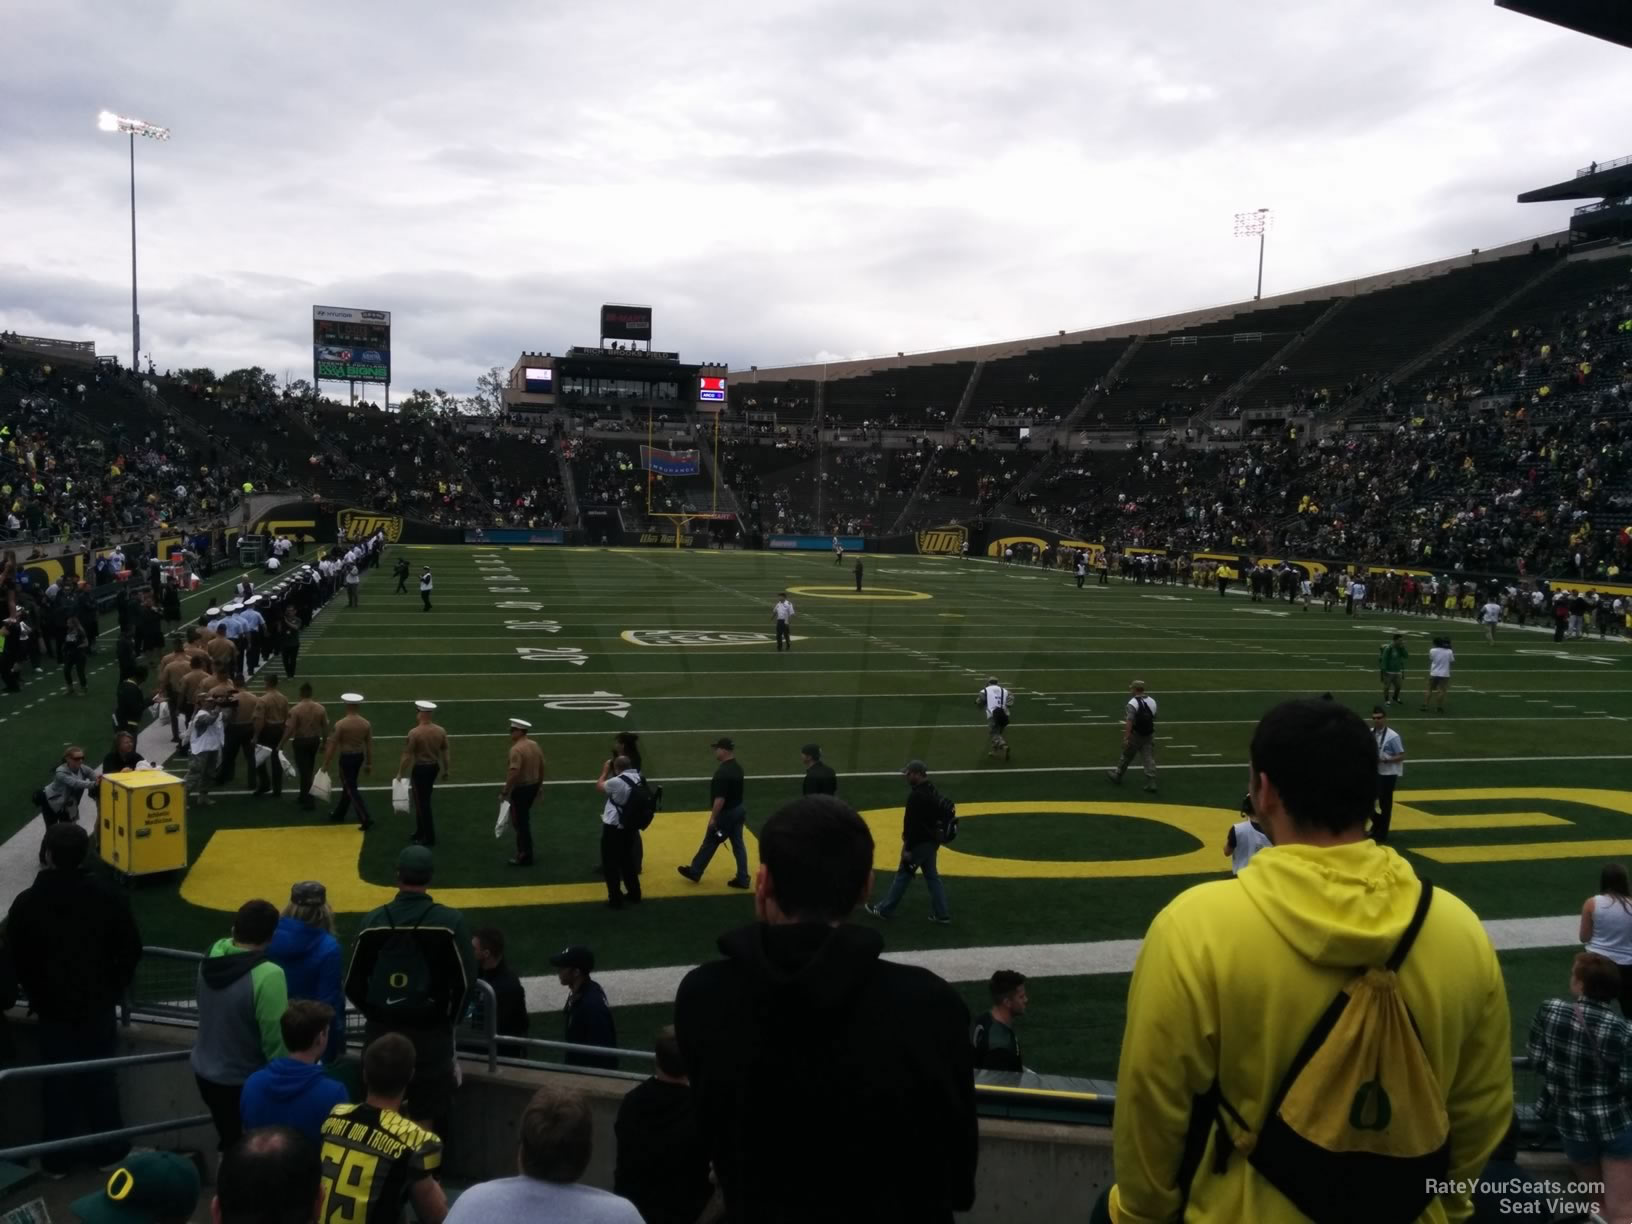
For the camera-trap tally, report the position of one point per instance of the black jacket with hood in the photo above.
(830, 1084)
(74, 944)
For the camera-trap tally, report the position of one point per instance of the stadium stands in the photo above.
(899, 397)
(1044, 383)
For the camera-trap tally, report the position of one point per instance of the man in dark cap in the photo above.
(412, 971)
(148, 1188)
(819, 776)
(726, 818)
(587, 1014)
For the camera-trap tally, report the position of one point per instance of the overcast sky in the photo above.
(781, 181)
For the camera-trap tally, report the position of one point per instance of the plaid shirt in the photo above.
(1583, 1050)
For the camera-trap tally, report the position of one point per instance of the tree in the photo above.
(489, 397)
(252, 383)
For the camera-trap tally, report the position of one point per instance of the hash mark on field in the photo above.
(1206, 754)
(1441, 733)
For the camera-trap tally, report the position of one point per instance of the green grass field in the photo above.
(1512, 800)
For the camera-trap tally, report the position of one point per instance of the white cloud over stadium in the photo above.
(781, 181)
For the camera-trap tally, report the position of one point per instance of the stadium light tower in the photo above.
(1254, 224)
(107, 121)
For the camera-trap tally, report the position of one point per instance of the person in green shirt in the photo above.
(997, 1044)
(1391, 668)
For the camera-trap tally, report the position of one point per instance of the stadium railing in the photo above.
(13, 1075)
(165, 990)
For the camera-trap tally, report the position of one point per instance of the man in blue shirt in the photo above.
(295, 1091)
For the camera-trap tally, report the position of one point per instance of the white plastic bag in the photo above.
(322, 787)
(161, 714)
(503, 822)
(289, 770)
(263, 754)
(399, 795)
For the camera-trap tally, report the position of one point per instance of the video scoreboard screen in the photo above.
(711, 389)
(632, 323)
(351, 345)
(538, 380)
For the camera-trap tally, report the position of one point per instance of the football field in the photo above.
(1513, 799)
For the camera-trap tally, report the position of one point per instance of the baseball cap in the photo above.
(575, 957)
(813, 751)
(148, 1187)
(414, 865)
(915, 767)
(726, 742)
(309, 892)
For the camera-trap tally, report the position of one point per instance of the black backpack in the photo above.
(1144, 721)
(640, 807)
(400, 983)
(946, 820)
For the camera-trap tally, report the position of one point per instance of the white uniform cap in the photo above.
(522, 723)
(212, 611)
(254, 599)
(424, 705)
(231, 607)
(351, 698)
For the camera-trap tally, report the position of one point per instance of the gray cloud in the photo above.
(779, 179)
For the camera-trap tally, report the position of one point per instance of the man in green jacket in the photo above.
(241, 999)
(1391, 668)
(412, 972)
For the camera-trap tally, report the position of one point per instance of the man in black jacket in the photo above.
(588, 1015)
(803, 1041)
(130, 702)
(412, 970)
(662, 1165)
(819, 776)
(74, 943)
(509, 996)
(920, 844)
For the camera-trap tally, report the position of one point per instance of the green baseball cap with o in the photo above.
(146, 1188)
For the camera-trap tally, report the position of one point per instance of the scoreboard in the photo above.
(351, 344)
(710, 390)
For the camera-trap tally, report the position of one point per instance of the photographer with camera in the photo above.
(1440, 658)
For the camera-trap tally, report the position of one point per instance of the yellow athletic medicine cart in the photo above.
(142, 822)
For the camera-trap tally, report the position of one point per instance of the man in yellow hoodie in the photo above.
(1234, 974)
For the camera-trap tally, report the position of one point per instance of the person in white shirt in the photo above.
(1245, 839)
(618, 777)
(1490, 616)
(1306, 588)
(1390, 768)
(1606, 926)
(207, 734)
(1357, 597)
(838, 551)
(1082, 568)
(1138, 735)
(1440, 658)
(353, 579)
(425, 588)
(995, 700)
(784, 617)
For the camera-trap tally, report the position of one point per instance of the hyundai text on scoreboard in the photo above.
(350, 344)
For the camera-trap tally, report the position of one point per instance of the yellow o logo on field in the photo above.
(882, 594)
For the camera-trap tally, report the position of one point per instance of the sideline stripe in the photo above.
(632, 987)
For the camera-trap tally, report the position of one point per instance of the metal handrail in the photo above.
(1598, 167)
(78, 1067)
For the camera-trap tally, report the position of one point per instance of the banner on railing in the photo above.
(670, 463)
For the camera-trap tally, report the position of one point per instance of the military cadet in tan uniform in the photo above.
(240, 733)
(353, 739)
(270, 719)
(424, 756)
(303, 731)
(173, 669)
(221, 650)
(521, 783)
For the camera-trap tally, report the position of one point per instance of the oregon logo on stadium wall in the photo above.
(355, 524)
(696, 637)
(943, 540)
